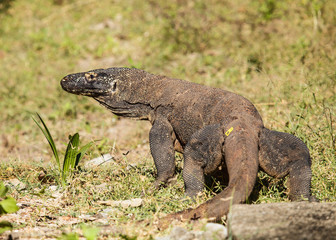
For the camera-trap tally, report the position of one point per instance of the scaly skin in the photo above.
(212, 127)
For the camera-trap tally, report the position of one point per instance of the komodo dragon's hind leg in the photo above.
(283, 154)
(241, 157)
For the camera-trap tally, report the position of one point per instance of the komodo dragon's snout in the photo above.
(211, 127)
(88, 83)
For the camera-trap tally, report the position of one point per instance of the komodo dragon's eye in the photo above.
(90, 76)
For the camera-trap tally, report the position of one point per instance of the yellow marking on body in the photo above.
(227, 133)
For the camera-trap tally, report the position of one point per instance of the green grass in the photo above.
(279, 54)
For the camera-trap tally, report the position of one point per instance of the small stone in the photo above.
(199, 235)
(215, 231)
(110, 211)
(98, 161)
(101, 215)
(137, 202)
(87, 217)
(14, 235)
(101, 186)
(177, 233)
(53, 188)
(17, 184)
(163, 238)
(54, 192)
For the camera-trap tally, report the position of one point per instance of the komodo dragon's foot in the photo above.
(169, 182)
(158, 183)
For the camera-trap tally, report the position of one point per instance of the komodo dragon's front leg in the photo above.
(161, 143)
(240, 151)
(202, 155)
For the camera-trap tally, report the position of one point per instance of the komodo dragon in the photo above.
(209, 126)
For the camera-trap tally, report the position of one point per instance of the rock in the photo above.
(137, 202)
(179, 233)
(98, 161)
(53, 188)
(68, 220)
(163, 238)
(215, 231)
(111, 211)
(101, 187)
(87, 217)
(14, 235)
(293, 220)
(55, 193)
(17, 184)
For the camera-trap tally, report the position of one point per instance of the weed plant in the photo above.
(73, 154)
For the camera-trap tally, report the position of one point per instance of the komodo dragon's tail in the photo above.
(281, 154)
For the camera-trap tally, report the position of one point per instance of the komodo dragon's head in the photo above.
(122, 90)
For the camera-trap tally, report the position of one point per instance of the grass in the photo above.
(280, 55)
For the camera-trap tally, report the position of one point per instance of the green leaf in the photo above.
(90, 233)
(70, 156)
(126, 237)
(3, 190)
(82, 152)
(69, 236)
(75, 143)
(5, 226)
(8, 205)
(49, 138)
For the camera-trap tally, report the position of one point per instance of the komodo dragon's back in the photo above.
(211, 127)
